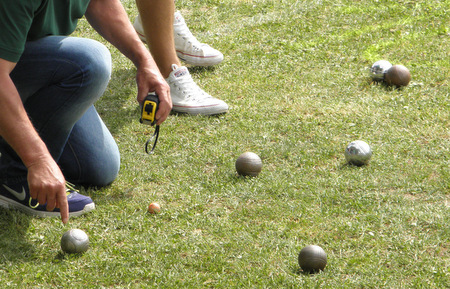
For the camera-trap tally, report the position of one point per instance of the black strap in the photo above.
(154, 136)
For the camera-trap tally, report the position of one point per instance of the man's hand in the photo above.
(47, 185)
(149, 80)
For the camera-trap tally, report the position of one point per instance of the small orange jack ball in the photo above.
(154, 208)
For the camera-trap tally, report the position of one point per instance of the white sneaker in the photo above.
(188, 97)
(139, 28)
(188, 48)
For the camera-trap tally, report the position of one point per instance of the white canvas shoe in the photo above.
(188, 97)
(188, 48)
(139, 28)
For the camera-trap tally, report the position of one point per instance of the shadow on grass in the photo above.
(299, 271)
(13, 242)
(61, 257)
(106, 195)
(384, 85)
(350, 166)
(195, 70)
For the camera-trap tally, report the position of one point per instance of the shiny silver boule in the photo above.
(74, 241)
(379, 69)
(358, 153)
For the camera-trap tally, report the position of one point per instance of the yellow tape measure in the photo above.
(148, 112)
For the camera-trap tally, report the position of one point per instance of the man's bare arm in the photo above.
(45, 180)
(110, 19)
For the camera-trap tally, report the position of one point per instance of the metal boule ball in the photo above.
(358, 153)
(312, 259)
(379, 69)
(398, 75)
(248, 164)
(74, 241)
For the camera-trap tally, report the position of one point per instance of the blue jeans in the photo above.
(59, 79)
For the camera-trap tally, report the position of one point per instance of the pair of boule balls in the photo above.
(357, 153)
(395, 75)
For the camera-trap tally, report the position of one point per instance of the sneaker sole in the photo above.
(8, 204)
(201, 110)
(200, 60)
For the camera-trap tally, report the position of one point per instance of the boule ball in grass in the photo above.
(398, 75)
(312, 259)
(358, 153)
(248, 164)
(379, 69)
(74, 241)
(154, 208)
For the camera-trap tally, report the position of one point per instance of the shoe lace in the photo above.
(184, 32)
(189, 88)
(70, 188)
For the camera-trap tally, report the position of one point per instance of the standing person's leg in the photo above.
(58, 79)
(156, 20)
(187, 47)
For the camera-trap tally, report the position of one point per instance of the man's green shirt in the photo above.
(28, 20)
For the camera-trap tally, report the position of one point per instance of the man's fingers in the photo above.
(165, 106)
(162, 114)
(51, 204)
(42, 198)
(33, 193)
(53, 197)
(63, 206)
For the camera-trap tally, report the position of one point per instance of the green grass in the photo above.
(295, 76)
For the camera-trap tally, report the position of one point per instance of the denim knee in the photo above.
(104, 171)
(100, 170)
(94, 60)
(91, 156)
(80, 65)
